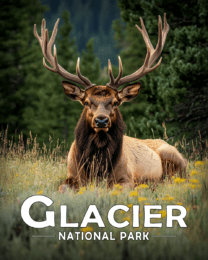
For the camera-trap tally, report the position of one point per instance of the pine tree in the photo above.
(132, 51)
(180, 87)
(38, 87)
(51, 113)
(16, 19)
(90, 64)
(68, 54)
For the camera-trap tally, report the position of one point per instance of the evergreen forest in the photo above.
(173, 102)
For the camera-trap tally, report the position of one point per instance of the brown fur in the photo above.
(99, 152)
(100, 149)
(112, 155)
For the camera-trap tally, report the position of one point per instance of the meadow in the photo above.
(27, 169)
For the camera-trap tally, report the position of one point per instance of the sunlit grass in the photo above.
(34, 171)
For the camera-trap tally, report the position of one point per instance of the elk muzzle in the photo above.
(101, 122)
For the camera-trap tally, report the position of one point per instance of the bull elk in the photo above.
(100, 148)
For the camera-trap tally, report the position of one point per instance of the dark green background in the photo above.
(32, 98)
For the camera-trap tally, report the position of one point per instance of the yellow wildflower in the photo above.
(194, 180)
(194, 172)
(193, 186)
(16, 175)
(133, 193)
(199, 163)
(127, 218)
(39, 192)
(167, 198)
(82, 190)
(130, 205)
(140, 199)
(178, 203)
(142, 186)
(157, 198)
(163, 213)
(114, 193)
(87, 229)
(118, 186)
(92, 187)
(179, 180)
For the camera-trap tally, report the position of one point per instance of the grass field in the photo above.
(27, 170)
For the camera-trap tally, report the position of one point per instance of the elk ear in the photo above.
(129, 92)
(73, 91)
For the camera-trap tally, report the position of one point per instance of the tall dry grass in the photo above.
(27, 169)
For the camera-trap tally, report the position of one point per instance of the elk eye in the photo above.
(115, 104)
(86, 103)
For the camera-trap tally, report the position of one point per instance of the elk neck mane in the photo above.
(98, 152)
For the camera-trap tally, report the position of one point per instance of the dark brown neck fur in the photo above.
(98, 152)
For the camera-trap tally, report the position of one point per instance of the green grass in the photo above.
(30, 170)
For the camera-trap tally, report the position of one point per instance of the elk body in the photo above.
(100, 148)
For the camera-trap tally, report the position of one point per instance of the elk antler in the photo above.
(151, 56)
(46, 49)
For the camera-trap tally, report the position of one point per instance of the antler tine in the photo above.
(120, 70)
(110, 73)
(84, 79)
(165, 30)
(55, 69)
(158, 49)
(46, 37)
(52, 59)
(148, 42)
(36, 34)
(113, 82)
(53, 35)
(55, 57)
(43, 27)
(144, 33)
(77, 67)
(151, 56)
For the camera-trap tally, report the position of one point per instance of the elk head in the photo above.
(101, 102)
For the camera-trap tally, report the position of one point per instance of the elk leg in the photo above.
(173, 161)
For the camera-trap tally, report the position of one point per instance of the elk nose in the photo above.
(101, 122)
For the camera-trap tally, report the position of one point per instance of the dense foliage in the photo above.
(16, 37)
(32, 99)
(49, 112)
(177, 91)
